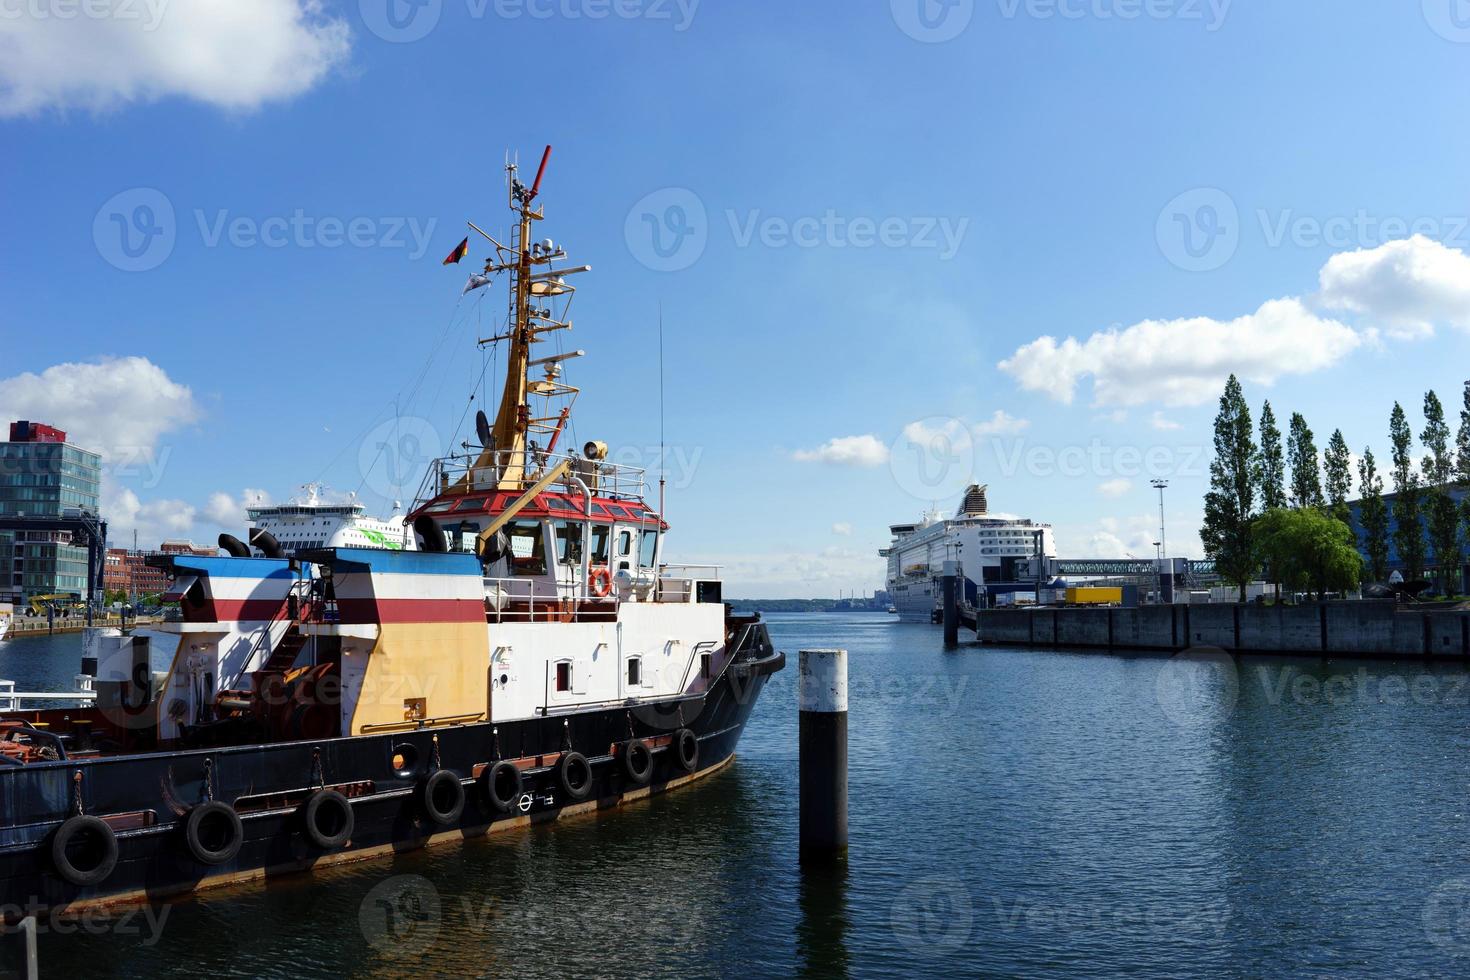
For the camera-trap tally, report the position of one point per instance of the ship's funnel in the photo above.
(233, 546)
(431, 539)
(975, 502)
(266, 542)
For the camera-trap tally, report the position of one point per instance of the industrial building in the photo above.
(44, 476)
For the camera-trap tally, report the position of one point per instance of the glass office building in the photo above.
(41, 475)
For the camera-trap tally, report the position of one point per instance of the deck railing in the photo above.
(461, 474)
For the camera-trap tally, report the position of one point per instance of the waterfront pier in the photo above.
(1338, 629)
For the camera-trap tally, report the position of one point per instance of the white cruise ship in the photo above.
(984, 544)
(311, 522)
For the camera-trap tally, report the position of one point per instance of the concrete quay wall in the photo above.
(1366, 629)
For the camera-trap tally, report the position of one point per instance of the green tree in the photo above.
(1230, 502)
(1462, 458)
(1373, 517)
(1306, 471)
(1310, 549)
(1271, 462)
(1339, 476)
(1408, 532)
(1442, 516)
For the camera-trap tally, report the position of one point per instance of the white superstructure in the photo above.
(976, 538)
(309, 521)
(7, 613)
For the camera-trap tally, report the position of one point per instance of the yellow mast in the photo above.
(508, 444)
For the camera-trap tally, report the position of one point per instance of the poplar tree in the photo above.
(1306, 472)
(1339, 476)
(1373, 518)
(1443, 517)
(1230, 502)
(1408, 532)
(1270, 462)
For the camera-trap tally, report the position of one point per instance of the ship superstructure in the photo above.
(534, 657)
(984, 544)
(311, 520)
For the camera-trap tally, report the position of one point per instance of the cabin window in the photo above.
(568, 542)
(527, 547)
(564, 676)
(704, 665)
(650, 546)
(625, 550)
(601, 533)
(635, 671)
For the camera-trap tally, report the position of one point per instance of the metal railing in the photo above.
(10, 698)
(461, 474)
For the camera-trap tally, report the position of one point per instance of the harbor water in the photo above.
(1013, 812)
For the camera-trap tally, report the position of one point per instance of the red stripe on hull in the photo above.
(411, 611)
(229, 610)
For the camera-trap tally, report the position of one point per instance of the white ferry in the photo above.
(309, 521)
(984, 544)
(7, 613)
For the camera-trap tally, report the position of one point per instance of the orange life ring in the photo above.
(600, 582)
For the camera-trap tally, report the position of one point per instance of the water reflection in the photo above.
(823, 921)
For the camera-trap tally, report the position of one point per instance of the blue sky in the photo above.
(861, 214)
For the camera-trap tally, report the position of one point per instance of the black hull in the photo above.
(147, 797)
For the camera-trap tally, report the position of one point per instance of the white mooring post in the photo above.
(822, 738)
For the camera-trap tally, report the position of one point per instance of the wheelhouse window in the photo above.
(527, 547)
(601, 535)
(568, 542)
(625, 550)
(635, 671)
(646, 554)
(564, 676)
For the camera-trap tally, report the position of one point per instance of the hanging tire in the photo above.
(574, 773)
(502, 785)
(329, 819)
(84, 850)
(686, 749)
(637, 761)
(443, 797)
(214, 833)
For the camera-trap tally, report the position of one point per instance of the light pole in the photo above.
(1160, 486)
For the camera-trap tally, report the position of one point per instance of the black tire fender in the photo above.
(502, 784)
(442, 795)
(637, 761)
(72, 836)
(574, 773)
(214, 833)
(329, 819)
(686, 750)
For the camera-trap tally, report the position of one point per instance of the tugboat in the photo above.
(535, 657)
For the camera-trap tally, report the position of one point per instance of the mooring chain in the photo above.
(495, 742)
(317, 768)
(76, 780)
(630, 726)
(566, 735)
(437, 764)
(209, 780)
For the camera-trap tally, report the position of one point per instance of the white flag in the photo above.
(476, 281)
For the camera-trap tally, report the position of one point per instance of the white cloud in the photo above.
(118, 407)
(842, 528)
(1183, 362)
(1001, 424)
(864, 450)
(1115, 488)
(1407, 287)
(224, 53)
(1163, 423)
(153, 521)
(227, 512)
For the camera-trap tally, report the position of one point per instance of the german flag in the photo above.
(460, 251)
